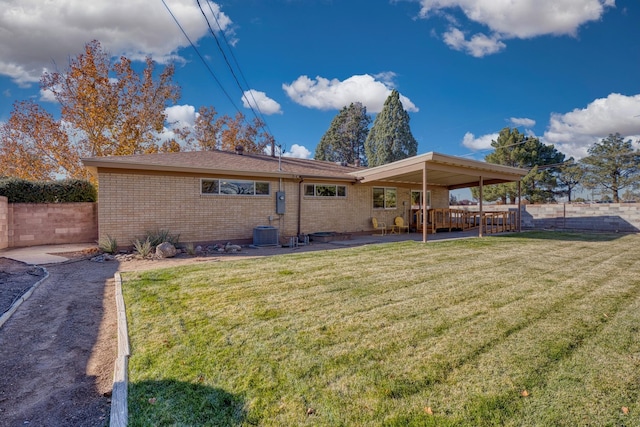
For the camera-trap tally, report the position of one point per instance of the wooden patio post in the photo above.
(480, 206)
(424, 202)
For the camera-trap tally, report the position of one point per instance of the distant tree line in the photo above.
(611, 167)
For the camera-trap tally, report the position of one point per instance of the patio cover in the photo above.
(442, 170)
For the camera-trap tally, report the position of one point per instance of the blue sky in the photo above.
(566, 71)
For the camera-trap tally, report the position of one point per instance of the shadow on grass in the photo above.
(572, 236)
(171, 402)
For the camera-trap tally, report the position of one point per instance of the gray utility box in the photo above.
(280, 199)
(265, 235)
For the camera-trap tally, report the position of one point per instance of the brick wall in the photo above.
(133, 203)
(51, 223)
(4, 222)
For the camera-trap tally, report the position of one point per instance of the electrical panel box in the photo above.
(280, 200)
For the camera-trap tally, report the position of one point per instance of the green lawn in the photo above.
(535, 329)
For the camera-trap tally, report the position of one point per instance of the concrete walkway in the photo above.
(47, 254)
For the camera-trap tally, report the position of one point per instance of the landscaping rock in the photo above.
(166, 250)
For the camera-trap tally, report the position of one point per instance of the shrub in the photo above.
(190, 249)
(108, 244)
(160, 236)
(65, 191)
(143, 248)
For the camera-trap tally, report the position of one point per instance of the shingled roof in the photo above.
(443, 170)
(228, 163)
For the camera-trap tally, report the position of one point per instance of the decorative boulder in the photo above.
(166, 250)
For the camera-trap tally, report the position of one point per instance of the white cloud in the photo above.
(478, 46)
(574, 132)
(481, 143)
(507, 19)
(325, 94)
(522, 121)
(181, 115)
(39, 35)
(266, 105)
(47, 96)
(298, 152)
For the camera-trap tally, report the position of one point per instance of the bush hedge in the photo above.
(65, 191)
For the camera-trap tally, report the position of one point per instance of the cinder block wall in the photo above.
(133, 203)
(601, 217)
(622, 217)
(51, 223)
(4, 222)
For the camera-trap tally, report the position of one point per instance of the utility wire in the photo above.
(200, 56)
(226, 60)
(235, 61)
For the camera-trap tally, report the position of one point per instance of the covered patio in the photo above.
(434, 169)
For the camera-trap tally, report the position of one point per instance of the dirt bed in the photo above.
(57, 351)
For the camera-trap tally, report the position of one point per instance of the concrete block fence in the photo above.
(30, 224)
(597, 217)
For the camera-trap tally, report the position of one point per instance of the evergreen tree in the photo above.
(344, 140)
(571, 175)
(390, 137)
(613, 164)
(513, 148)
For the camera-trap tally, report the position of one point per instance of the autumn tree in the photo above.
(513, 148)
(207, 129)
(390, 138)
(250, 135)
(111, 109)
(33, 146)
(345, 138)
(613, 164)
(212, 132)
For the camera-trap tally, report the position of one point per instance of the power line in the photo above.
(200, 56)
(235, 61)
(226, 60)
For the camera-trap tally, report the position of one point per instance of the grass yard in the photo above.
(534, 329)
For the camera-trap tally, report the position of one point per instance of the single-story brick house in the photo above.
(224, 196)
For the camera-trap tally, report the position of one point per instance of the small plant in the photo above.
(143, 248)
(160, 236)
(190, 249)
(108, 245)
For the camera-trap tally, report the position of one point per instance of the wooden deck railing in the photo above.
(459, 219)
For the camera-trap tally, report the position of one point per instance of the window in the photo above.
(417, 199)
(325, 190)
(385, 198)
(235, 187)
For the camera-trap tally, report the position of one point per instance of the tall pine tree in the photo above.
(613, 164)
(344, 140)
(513, 148)
(390, 137)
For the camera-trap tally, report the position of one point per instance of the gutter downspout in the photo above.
(300, 190)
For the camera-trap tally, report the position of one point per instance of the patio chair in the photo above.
(398, 225)
(379, 226)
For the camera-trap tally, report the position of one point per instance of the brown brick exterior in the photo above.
(132, 203)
